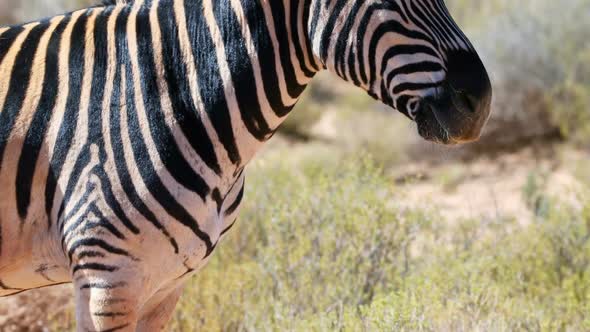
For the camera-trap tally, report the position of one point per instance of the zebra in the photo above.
(125, 128)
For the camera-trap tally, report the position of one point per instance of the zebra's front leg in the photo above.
(107, 299)
(157, 312)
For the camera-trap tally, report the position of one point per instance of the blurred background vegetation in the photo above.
(352, 223)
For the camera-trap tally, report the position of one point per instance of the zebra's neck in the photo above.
(240, 65)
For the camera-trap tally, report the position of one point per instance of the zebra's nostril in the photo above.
(465, 102)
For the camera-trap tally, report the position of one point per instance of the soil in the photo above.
(33, 311)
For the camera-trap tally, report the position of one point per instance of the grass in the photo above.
(321, 248)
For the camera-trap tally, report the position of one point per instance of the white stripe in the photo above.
(9, 60)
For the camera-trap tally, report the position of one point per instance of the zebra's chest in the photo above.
(188, 226)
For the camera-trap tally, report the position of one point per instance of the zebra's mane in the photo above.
(114, 2)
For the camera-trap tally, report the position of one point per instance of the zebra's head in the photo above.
(411, 55)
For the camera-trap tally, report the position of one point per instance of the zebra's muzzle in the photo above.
(453, 117)
(459, 112)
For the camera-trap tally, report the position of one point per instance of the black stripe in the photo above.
(7, 39)
(415, 21)
(95, 118)
(115, 129)
(280, 24)
(342, 43)
(83, 221)
(90, 254)
(316, 20)
(425, 66)
(94, 267)
(177, 78)
(95, 243)
(241, 70)
(361, 35)
(234, 206)
(34, 139)
(116, 328)
(451, 24)
(102, 222)
(68, 126)
(103, 285)
(163, 139)
(295, 21)
(433, 26)
(19, 82)
(443, 24)
(210, 82)
(414, 86)
(308, 46)
(386, 98)
(216, 195)
(75, 175)
(90, 187)
(228, 228)
(266, 53)
(110, 314)
(99, 77)
(111, 200)
(382, 29)
(147, 171)
(329, 29)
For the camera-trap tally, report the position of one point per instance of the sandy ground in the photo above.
(485, 187)
(30, 311)
(488, 188)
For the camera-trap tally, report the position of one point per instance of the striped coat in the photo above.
(125, 128)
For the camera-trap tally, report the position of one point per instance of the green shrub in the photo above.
(535, 279)
(313, 242)
(320, 247)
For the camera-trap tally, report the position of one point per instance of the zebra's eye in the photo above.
(413, 108)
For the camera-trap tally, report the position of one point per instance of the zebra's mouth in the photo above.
(431, 128)
(448, 120)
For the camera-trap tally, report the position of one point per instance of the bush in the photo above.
(321, 248)
(537, 279)
(537, 53)
(327, 244)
